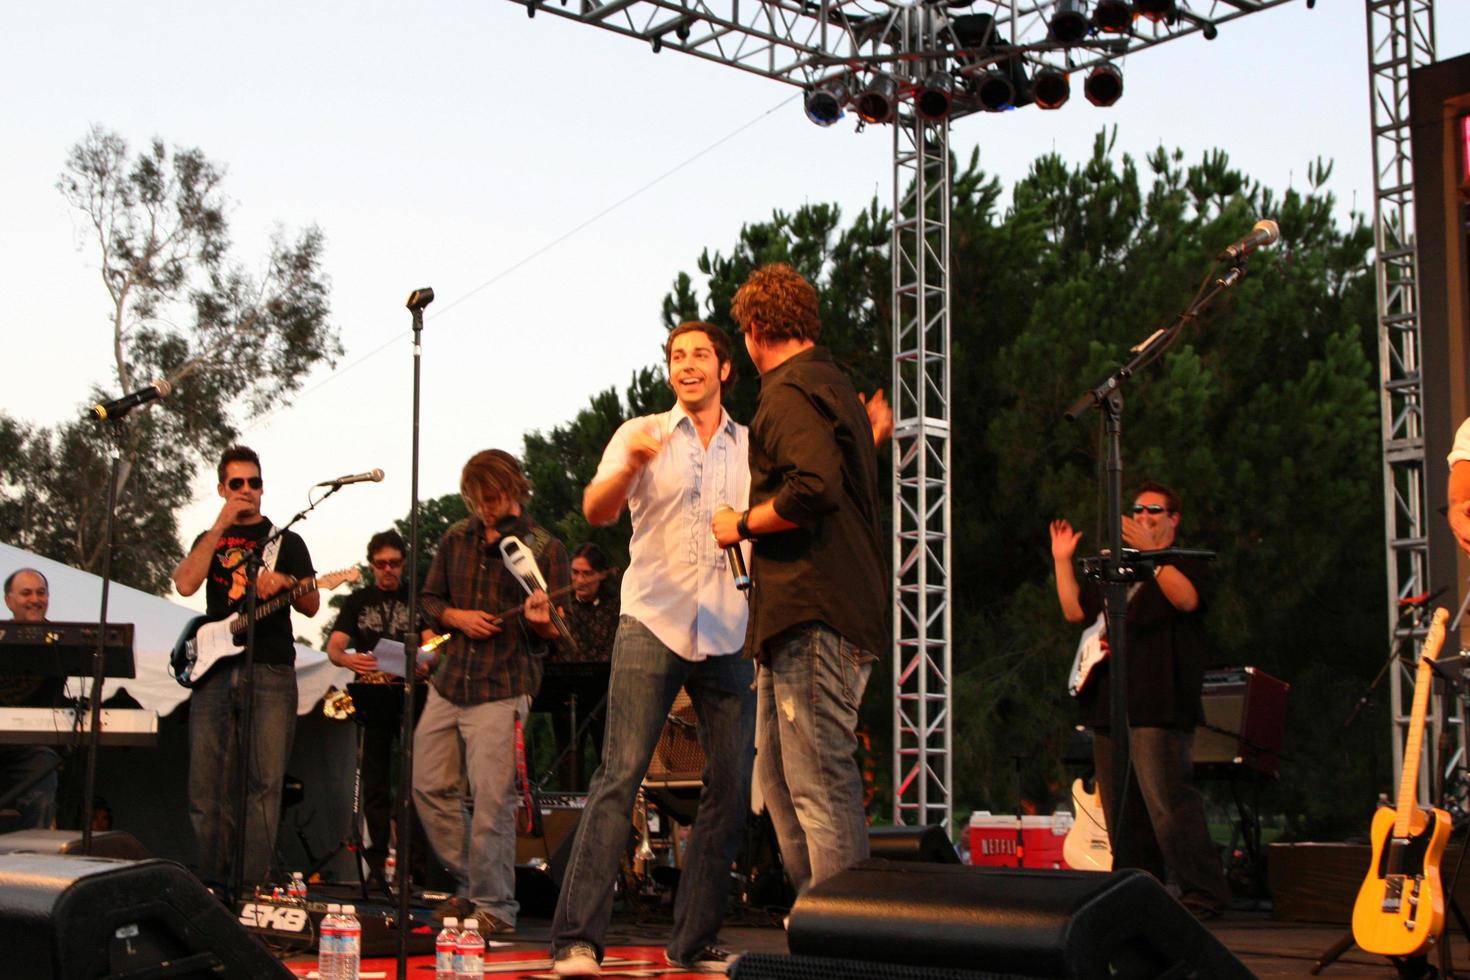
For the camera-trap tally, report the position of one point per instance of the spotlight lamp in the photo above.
(824, 103)
(1113, 16)
(1050, 88)
(875, 102)
(995, 90)
(1104, 85)
(1158, 11)
(934, 97)
(1068, 24)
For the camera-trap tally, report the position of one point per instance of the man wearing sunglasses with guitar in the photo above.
(217, 560)
(1164, 818)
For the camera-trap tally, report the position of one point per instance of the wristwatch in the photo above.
(742, 528)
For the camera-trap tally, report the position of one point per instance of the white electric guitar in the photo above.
(205, 642)
(1092, 650)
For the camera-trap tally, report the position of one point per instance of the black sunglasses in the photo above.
(1151, 508)
(236, 482)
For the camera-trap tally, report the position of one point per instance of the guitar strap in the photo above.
(272, 550)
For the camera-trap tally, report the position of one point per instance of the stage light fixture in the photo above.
(824, 103)
(1051, 88)
(973, 31)
(1068, 23)
(876, 101)
(935, 96)
(1104, 85)
(995, 90)
(1158, 11)
(1113, 16)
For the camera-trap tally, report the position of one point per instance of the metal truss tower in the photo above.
(922, 186)
(848, 44)
(1400, 39)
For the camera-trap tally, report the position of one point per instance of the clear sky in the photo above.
(549, 180)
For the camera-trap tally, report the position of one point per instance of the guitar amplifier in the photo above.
(678, 760)
(1244, 725)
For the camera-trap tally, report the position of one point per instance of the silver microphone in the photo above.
(735, 555)
(371, 476)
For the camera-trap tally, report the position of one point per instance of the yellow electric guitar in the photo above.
(1086, 847)
(1400, 908)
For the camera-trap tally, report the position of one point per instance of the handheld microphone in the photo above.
(119, 407)
(1265, 232)
(735, 555)
(420, 298)
(518, 561)
(371, 476)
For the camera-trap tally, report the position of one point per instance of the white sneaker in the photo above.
(576, 960)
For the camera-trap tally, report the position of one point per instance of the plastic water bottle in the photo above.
(298, 888)
(390, 866)
(446, 948)
(351, 944)
(329, 944)
(471, 954)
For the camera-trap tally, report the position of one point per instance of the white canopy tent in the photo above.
(157, 623)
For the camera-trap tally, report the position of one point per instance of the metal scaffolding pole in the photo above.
(922, 192)
(1400, 39)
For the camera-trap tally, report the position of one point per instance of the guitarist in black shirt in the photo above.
(217, 560)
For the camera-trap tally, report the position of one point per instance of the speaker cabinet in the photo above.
(1245, 722)
(1029, 923)
(929, 844)
(107, 844)
(88, 918)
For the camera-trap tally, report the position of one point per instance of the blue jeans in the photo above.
(20, 764)
(807, 698)
(455, 743)
(646, 677)
(1164, 826)
(215, 737)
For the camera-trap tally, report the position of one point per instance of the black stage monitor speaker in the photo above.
(87, 918)
(929, 843)
(1031, 923)
(106, 844)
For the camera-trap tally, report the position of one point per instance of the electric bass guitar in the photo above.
(205, 642)
(1400, 908)
(1086, 847)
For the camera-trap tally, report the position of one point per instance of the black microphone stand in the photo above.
(94, 736)
(417, 300)
(1117, 569)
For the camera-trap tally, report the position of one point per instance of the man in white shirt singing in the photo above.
(683, 623)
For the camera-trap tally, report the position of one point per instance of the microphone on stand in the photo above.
(1265, 232)
(118, 407)
(735, 555)
(371, 476)
(518, 561)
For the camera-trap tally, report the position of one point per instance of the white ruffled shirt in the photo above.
(678, 583)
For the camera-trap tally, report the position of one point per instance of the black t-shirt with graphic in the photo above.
(224, 586)
(369, 615)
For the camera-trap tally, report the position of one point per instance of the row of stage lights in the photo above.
(1004, 85)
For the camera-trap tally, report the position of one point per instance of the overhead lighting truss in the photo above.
(808, 44)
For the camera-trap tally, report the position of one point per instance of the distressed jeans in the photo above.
(453, 741)
(807, 698)
(215, 737)
(646, 676)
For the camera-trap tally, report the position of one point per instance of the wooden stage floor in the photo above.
(1268, 948)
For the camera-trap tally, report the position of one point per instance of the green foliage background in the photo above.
(1264, 416)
